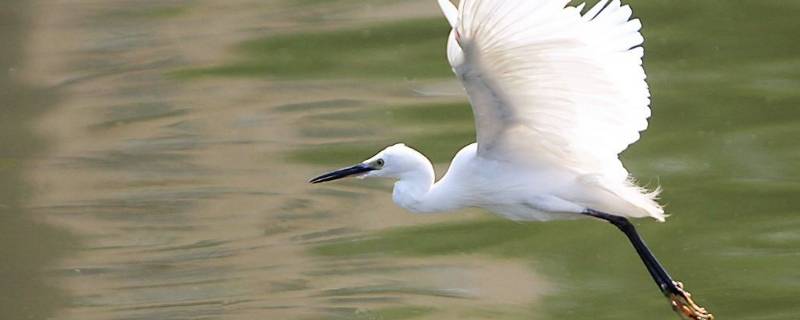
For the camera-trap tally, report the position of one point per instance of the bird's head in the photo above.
(393, 162)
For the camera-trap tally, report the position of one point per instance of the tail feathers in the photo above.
(623, 198)
(643, 199)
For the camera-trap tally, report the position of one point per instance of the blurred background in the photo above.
(154, 158)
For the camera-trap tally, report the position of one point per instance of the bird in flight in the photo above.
(556, 95)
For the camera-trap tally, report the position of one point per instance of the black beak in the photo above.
(342, 173)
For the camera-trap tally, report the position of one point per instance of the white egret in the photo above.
(556, 96)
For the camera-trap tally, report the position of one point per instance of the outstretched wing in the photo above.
(549, 84)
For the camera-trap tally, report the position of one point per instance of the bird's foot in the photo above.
(683, 304)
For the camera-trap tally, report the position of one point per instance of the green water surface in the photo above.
(722, 143)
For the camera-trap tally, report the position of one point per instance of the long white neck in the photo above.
(415, 190)
(413, 185)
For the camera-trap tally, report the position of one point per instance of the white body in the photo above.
(472, 181)
(556, 96)
(517, 193)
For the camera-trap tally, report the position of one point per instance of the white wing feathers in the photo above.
(572, 86)
(450, 12)
(550, 86)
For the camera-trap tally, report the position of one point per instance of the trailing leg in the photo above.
(673, 290)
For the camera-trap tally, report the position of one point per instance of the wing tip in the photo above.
(450, 12)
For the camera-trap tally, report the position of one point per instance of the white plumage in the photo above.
(556, 96)
(550, 87)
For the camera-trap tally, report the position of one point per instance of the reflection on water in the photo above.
(185, 132)
(26, 244)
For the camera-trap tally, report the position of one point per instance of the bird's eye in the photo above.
(379, 162)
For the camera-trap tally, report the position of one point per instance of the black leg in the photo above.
(681, 300)
(661, 277)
